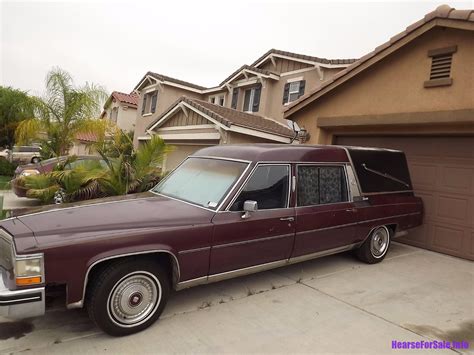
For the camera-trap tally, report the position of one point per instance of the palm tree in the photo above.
(127, 171)
(65, 111)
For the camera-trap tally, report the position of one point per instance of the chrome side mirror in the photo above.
(249, 206)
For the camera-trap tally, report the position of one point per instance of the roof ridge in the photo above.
(442, 11)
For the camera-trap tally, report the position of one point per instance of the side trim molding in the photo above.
(262, 267)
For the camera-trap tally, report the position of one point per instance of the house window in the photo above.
(441, 60)
(217, 100)
(293, 91)
(319, 185)
(149, 102)
(252, 99)
(114, 114)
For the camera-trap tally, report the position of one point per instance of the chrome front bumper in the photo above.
(20, 304)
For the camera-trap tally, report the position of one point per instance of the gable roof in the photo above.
(129, 99)
(165, 78)
(443, 12)
(86, 137)
(267, 55)
(228, 117)
(251, 69)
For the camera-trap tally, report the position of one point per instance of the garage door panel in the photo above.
(418, 236)
(448, 239)
(423, 176)
(457, 179)
(454, 208)
(442, 171)
(429, 203)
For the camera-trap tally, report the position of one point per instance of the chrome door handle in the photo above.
(289, 219)
(351, 210)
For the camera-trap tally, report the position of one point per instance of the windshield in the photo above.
(202, 181)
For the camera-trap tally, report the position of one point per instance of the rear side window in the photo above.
(318, 185)
(269, 186)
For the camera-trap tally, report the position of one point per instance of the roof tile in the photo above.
(443, 11)
(228, 117)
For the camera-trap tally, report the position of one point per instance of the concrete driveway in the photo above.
(330, 305)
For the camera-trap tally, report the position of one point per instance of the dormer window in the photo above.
(149, 102)
(252, 99)
(441, 61)
(293, 91)
(217, 100)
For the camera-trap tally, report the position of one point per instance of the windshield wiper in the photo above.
(385, 175)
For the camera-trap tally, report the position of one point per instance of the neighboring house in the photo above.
(264, 88)
(121, 109)
(191, 124)
(82, 144)
(414, 93)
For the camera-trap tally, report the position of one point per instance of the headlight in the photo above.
(29, 270)
(28, 172)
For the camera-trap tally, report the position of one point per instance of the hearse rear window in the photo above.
(319, 185)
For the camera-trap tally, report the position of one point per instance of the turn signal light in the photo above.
(25, 281)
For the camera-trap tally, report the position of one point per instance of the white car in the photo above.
(22, 154)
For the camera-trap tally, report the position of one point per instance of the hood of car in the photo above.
(111, 215)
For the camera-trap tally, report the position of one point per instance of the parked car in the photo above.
(226, 211)
(47, 166)
(22, 154)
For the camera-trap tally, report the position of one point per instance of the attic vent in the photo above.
(441, 60)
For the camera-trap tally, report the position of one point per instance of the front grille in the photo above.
(6, 251)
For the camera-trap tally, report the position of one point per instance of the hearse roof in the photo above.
(277, 152)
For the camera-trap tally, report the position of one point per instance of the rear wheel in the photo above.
(128, 296)
(374, 249)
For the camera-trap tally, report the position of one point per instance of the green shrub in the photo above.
(6, 168)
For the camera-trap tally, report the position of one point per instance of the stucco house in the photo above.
(121, 109)
(414, 93)
(263, 90)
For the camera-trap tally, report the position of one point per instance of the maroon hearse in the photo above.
(225, 211)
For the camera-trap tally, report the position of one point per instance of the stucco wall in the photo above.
(167, 95)
(395, 84)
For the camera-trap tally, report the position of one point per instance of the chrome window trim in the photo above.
(348, 190)
(288, 165)
(218, 208)
(80, 303)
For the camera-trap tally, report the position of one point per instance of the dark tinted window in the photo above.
(321, 185)
(268, 186)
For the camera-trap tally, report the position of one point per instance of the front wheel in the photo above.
(35, 160)
(374, 249)
(128, 296)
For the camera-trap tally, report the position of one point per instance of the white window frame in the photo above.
(149, 94)
(216, 99)
(297, 92)
(251, 99)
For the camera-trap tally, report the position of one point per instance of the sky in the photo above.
(114, 43)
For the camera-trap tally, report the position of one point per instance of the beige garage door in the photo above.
(179, 153)
(442, 171)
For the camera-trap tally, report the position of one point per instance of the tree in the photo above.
(128, 171)
(15, 106)
(62, 113)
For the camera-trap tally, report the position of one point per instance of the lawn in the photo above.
(4, 180)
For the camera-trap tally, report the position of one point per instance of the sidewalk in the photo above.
(12, 202)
